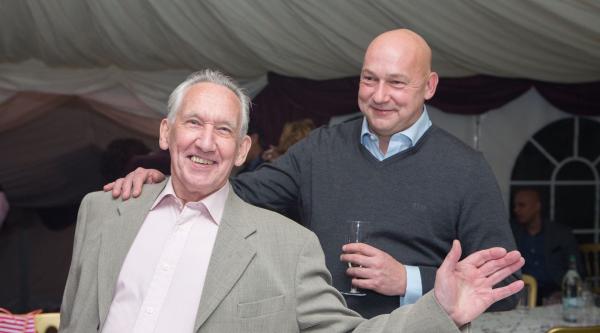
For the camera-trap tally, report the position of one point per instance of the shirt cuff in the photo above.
(414, 289)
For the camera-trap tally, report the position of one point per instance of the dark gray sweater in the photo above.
(420, 200)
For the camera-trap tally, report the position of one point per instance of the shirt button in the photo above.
(165, 267)
(149, 310)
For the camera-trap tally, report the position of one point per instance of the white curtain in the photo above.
(538, 39)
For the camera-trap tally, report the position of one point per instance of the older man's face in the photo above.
(204, 140)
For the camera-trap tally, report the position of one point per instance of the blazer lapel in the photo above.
(231, 255)
(117, 236)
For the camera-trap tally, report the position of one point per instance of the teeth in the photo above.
(199, 160)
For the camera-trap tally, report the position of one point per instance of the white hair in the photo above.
(211, 76)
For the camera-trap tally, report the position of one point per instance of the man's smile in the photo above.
(200, 160)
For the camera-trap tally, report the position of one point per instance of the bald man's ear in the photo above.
(432, 82)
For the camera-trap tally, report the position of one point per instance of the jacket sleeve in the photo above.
(321, 308)
(72, 285)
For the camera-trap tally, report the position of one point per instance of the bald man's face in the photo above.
(526, 207)
(394, 83)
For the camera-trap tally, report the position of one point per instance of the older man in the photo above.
(190, 256)
(418, 185)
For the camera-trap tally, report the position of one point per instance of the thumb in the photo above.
(452, 257)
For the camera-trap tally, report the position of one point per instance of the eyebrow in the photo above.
(194, 114)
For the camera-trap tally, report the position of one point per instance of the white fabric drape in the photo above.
(137, 92)
(545, 40)
(123, 58)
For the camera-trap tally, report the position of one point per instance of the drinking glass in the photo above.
(523, 301)
(356, 232)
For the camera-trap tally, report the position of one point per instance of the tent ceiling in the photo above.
(555, 41)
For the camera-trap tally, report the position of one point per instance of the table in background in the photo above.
(536, 320)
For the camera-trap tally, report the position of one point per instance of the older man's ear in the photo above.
(163, 140)
(243, 150)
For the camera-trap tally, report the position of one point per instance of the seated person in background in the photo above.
(293, 131)
(189, 255)
(4, 206)
(545, 245)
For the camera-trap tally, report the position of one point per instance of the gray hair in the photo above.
(210, 76)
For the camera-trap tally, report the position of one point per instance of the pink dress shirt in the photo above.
(160, 284)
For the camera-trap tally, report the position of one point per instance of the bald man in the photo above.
(546, 245)
(418, 185)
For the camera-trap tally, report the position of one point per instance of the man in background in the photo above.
(545, 245)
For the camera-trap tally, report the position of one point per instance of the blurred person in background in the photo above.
(293, 131)
(545, 245)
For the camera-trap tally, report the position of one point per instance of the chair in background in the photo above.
(531, 288)
(591, 258)
(47, 322)
(587, 329)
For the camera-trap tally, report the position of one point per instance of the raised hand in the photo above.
(465, 288)
(133, 182)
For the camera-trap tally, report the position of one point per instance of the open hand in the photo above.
(465, 288)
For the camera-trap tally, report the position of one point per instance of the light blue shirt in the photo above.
(398, 143)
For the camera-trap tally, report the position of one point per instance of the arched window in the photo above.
(562, 161)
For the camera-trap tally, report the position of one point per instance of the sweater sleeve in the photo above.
(276, 186)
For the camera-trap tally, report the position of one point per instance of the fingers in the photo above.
(364, 284)
(360, 254)
(492, 266)
(503, 292)
(108, 187)
(359, 272)
(126, 186)
(356, 259)
(155, 176)
(137, 180)
(116, 190)
(506, 271)
(362, 248)
(481, 257)
(449, 263)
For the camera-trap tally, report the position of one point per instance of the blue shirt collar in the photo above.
(399, 141)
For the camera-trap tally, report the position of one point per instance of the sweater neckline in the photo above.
(399, 156)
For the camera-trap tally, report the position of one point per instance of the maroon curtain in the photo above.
(285, 98)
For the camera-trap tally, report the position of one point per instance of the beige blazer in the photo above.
(266, 274)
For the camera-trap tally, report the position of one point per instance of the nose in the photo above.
(381, 94)
(206, 139)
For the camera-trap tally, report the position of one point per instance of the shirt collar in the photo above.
(214, 203)
(413, 133)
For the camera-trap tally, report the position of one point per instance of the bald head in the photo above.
(527, 207)
(401, 45)
(396, 79)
